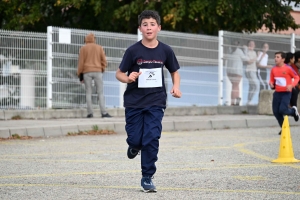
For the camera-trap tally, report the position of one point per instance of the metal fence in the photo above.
(250, 85)
(23, 70)
(64, 45)
(198, 59)
(197, 55)
(38, 70)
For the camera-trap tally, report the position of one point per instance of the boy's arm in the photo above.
(176, 83)
(295, 76)
(122, 76)
(271, 82)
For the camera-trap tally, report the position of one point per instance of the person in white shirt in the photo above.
(234, 71)
(262, 66)
(251, 71)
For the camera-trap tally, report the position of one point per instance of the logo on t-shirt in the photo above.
(284, 72)
(151, 74)
(141, 61)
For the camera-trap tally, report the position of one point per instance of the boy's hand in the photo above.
(175, 92)
(289, 88)
(133, 76)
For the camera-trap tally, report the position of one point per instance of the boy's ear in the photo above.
(159, 28)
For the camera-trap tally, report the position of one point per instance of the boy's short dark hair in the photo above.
(289, 56)
(297, 56)
(147, 14)
(283, 55)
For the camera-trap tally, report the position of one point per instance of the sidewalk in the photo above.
(187, 119)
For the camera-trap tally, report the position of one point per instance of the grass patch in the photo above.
(16, 136)
(95, 128)
(16, 117)
(94, 131)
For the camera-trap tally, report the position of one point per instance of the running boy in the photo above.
(281, 79)
(145, 96)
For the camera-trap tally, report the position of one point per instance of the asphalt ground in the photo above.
(207, 164)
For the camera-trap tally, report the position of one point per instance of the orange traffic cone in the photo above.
(286, 153)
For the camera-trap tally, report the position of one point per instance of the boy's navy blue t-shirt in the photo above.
(138, 56)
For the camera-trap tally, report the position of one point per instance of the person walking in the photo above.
(91, 65)
(281, 80)
(145, 96)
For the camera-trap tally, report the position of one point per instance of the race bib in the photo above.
(150, 78)
(280, 81)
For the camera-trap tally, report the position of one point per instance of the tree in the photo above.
(196, 16)
(206, 16)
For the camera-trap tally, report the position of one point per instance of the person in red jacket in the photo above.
(281, 80)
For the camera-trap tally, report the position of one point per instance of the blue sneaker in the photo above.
(147, 184)
(132, 153)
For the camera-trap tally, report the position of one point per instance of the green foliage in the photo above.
(197, 16)
(16, 136)
(244, 112)
(95, 128)
(16, 117)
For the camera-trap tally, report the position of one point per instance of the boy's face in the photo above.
(279, 60)
(149, 28)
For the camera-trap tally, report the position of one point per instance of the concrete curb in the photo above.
(52, 123)
(119, 127)
(119, 112)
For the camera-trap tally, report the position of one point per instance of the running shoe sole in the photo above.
(296, 115)
(150, 190)
(131, 155)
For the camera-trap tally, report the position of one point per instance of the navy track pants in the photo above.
(280, 105)
(143, 127)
